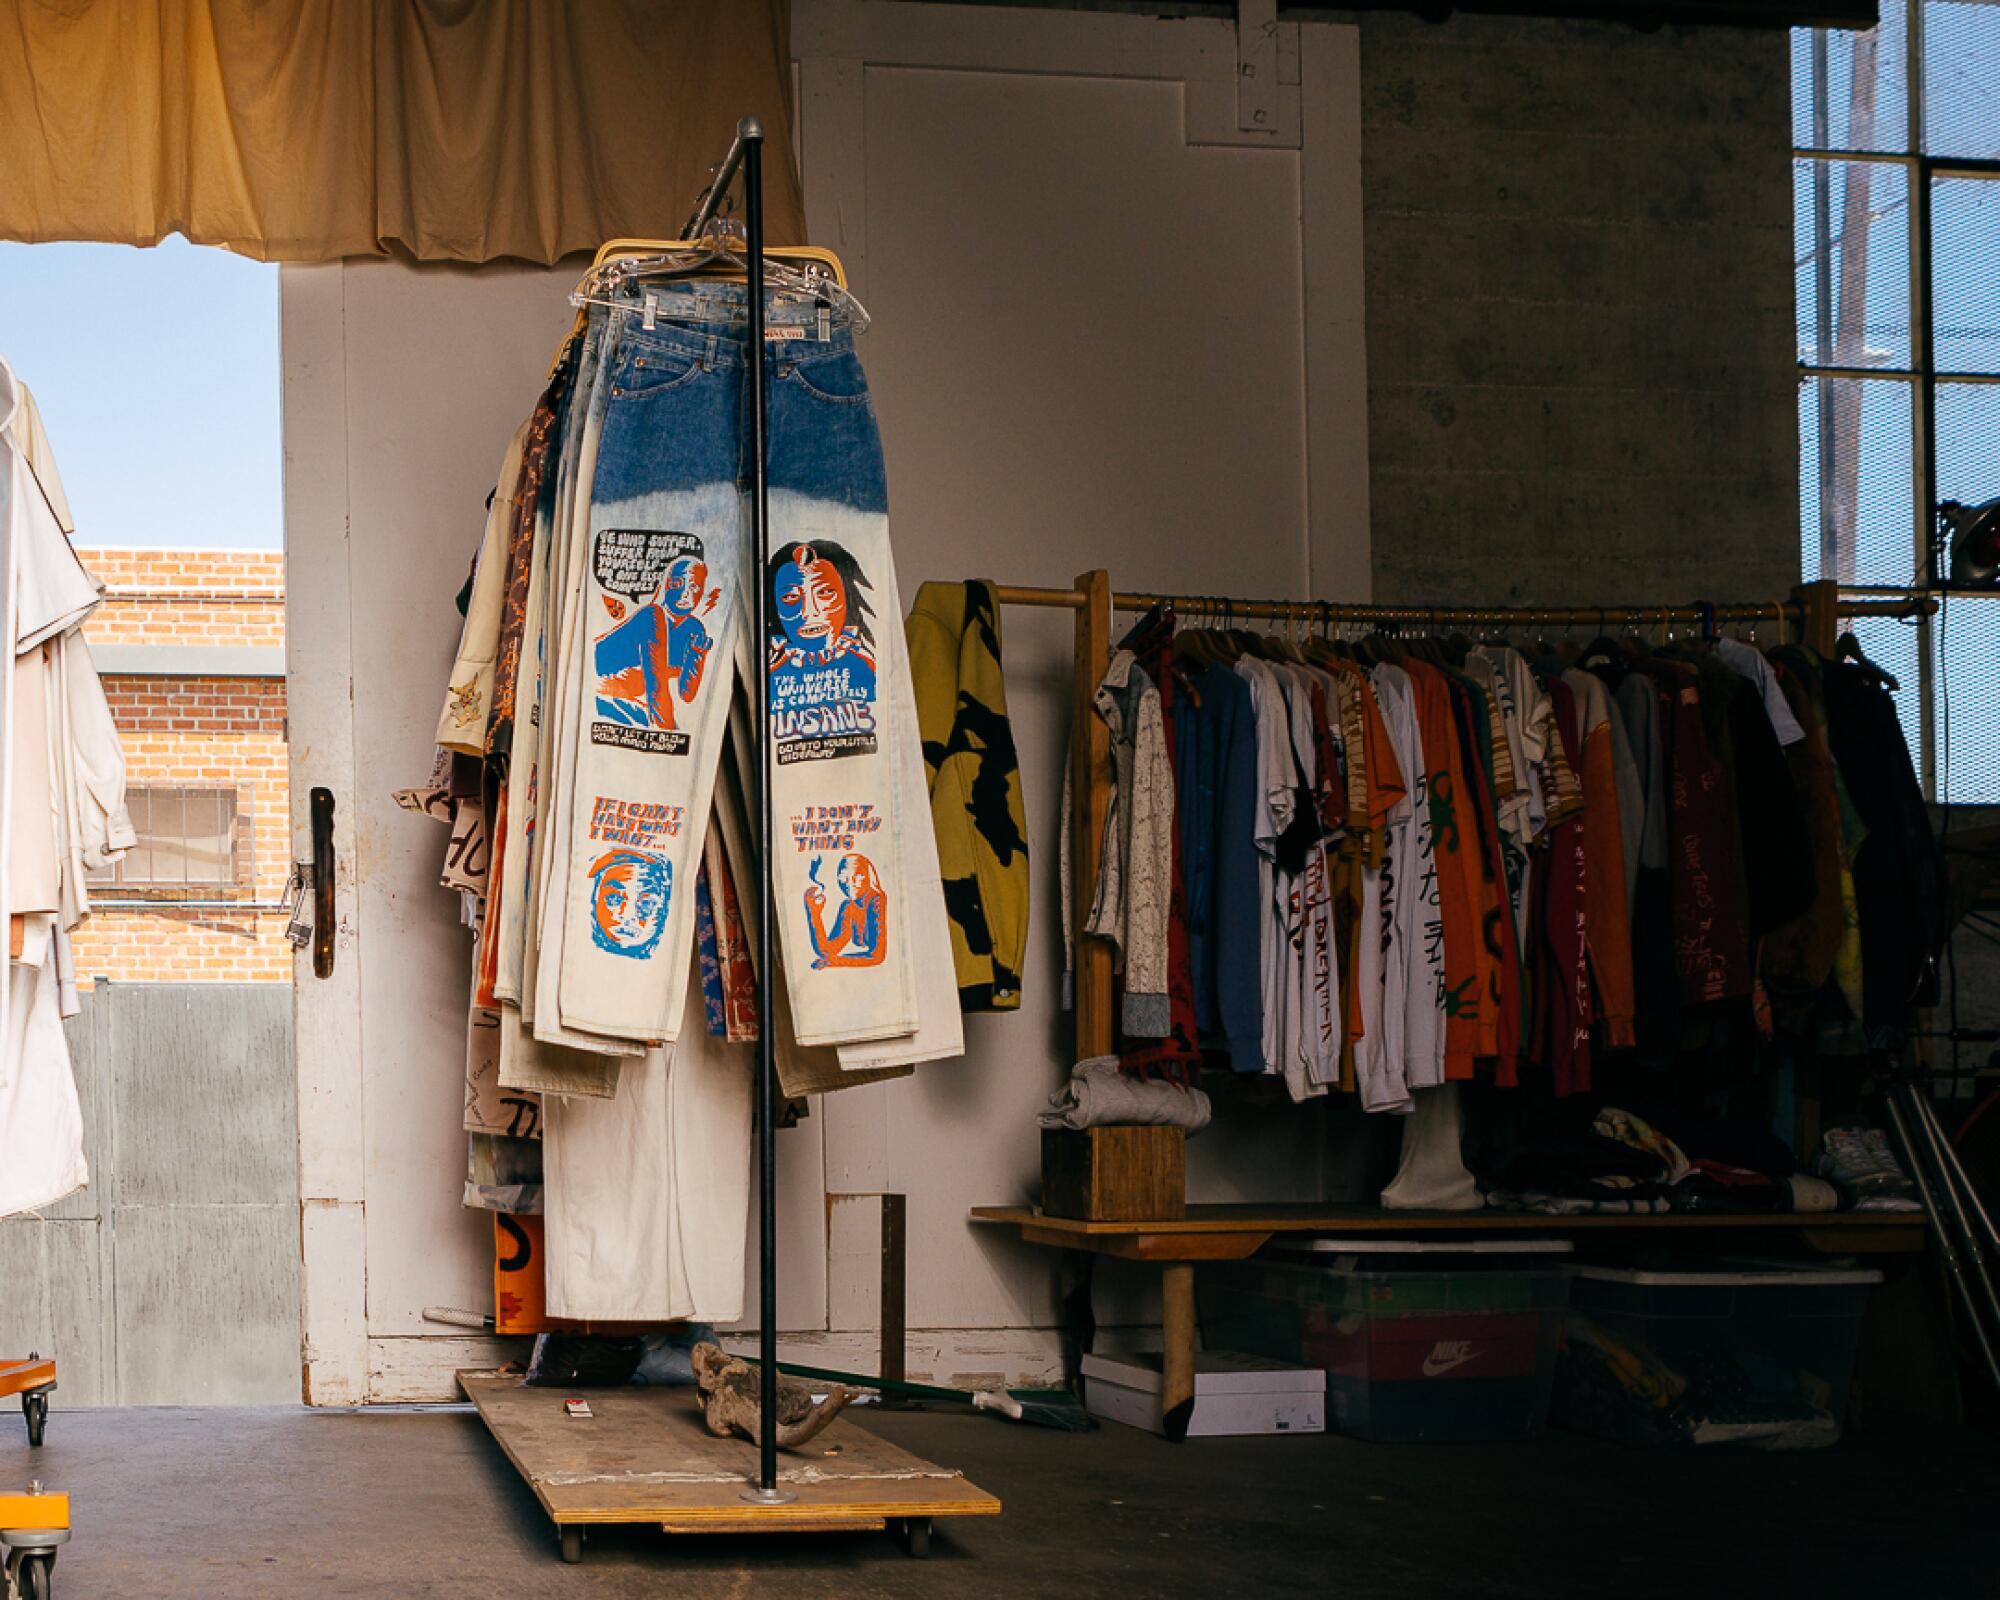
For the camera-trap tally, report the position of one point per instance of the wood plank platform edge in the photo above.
(858, 1513)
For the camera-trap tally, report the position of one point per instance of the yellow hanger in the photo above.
(652, 247)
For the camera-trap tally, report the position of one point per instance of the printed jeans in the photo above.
(665, 605)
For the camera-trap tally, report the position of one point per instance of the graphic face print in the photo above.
(811, 599)
(822, 654)
(682, 589)
(629, 893)
(858, 934)
(653, 655)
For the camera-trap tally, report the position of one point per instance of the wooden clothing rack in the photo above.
(1814, 610)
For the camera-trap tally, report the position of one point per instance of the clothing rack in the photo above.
(1815, 610)
(1812, 613)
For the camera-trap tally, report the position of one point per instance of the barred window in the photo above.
(193, 842)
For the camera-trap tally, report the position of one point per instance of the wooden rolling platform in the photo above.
(646, 1457)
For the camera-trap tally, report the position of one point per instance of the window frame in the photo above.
(1921, 377)
(111, 890)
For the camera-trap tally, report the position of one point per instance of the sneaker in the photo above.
(1860, 1161)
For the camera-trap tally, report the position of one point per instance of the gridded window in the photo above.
(188, 843)
(1896, 211)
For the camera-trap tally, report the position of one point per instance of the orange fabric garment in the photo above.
(488, 969)
(1456, 843)
(1607, 934)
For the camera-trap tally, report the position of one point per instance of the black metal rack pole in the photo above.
(750, 135)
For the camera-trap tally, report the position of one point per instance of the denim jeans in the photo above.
(664, 600)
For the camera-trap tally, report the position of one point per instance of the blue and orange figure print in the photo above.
(629, 894)
(822, 654)
(858, 936)
(656, 654)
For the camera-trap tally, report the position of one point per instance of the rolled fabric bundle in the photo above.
(1098, 1095)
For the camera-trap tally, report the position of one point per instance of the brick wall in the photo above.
(201, 732)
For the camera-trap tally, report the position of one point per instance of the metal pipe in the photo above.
(750, 139)
(98, 903)
(1902, 605)
(1947, 1248)
(748, 132)
(1966, 1203)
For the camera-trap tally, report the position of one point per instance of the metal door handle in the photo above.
(322, 882)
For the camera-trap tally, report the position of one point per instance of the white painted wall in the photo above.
(1112, 329)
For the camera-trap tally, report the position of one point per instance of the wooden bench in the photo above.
(1237, 1232)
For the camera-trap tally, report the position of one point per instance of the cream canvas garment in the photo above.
(648, 1197)
(96, 828)
(44, 592)
(33, 873)
(32, 440)
(841, 874)
(468, 695)
(550, 1055)
(41, 1122)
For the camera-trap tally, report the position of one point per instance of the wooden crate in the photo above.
(1115, 1174)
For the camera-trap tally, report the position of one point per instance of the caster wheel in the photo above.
(35, 1578)
(572, 1545)
(917, 1537)
(35, 1407)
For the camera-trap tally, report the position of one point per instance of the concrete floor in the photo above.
(222, 1504)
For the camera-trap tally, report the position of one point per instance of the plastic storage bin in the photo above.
(1744, 1353)
(1408, 1354)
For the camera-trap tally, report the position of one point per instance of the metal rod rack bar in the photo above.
(746, 152)
(1344, 611)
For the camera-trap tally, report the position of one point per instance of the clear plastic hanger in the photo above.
(720, 252)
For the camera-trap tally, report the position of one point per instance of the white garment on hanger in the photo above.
(32, 440)
(1413, 932)
(93, 824)
(648, 1196)
(41, 1122)
(44, 592)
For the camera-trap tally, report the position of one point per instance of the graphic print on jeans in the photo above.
(632, 882)
(823, 656)
(655, 651)
(630, 891)
(857, 935)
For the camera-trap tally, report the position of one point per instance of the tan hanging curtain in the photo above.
(457, 130)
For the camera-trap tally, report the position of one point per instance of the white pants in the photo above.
(648, 1196)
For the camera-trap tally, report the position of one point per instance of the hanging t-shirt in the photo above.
(1407, 1049)
(1749, 661)
(1310, 902)
(1460, 998)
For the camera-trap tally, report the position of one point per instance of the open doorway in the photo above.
(156, 377)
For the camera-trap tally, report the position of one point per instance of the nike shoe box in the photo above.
(1411, 1350)
(1234, 1393)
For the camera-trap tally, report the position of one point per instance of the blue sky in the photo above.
(157, 374)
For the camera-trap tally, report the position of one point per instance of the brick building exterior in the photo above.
(190, 644)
